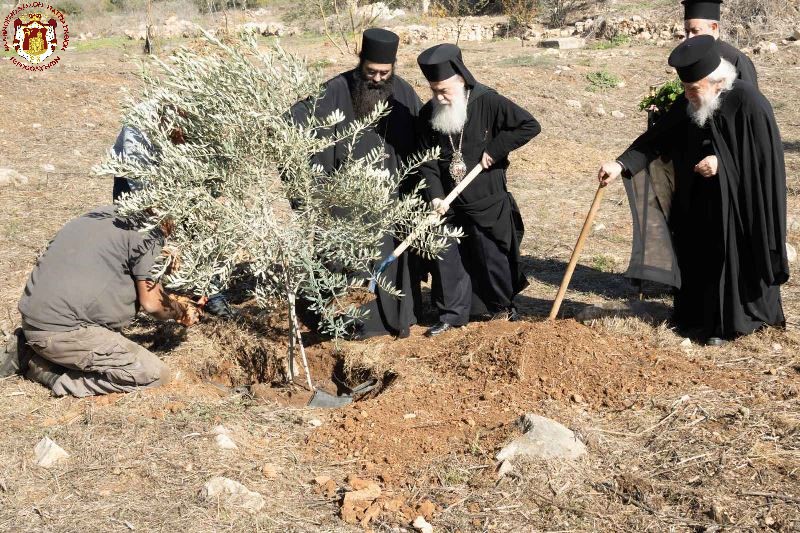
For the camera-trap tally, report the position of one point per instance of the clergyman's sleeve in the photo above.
(517, 127)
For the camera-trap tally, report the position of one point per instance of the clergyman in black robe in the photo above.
(703, 18)
(646, 191)
(471, 124)
(728, 215)
(355, 93)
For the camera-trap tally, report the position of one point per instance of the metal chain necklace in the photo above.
(458, 168)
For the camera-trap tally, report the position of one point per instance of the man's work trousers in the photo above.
(97, 361)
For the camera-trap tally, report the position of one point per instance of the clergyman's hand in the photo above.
(438, 206)
(486, 161)
(707, 167)
(609, 171)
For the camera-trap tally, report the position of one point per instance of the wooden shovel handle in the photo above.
(573, 260)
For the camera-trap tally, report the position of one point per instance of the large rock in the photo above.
(48, 453)
(10, 176)
(543, 439)
(231, 494)
(564, 43)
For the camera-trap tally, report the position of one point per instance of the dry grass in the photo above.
(656, 466)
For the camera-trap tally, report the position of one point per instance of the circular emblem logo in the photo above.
(36, 32)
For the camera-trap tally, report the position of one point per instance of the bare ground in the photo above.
(679, 438)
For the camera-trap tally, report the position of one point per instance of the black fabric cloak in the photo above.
(729, 231)
(745, 70)
(395, 133)
(497, 126)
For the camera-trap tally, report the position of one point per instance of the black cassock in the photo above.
(482, 273)
(745, 70)
(395, 133)
(729, 231)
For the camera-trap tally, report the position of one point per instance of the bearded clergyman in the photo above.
(356, 93)
(728, 215)
(472, 124)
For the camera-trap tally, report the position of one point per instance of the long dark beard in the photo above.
(367, 93)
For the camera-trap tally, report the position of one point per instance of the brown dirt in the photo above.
(466, 388)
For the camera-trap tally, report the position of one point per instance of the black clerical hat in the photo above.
(701, 9)
(379, 46)
(444, 61)
(695, 58)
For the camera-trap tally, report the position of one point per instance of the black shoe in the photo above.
(43, 371)
(714, 341)
(439, 328)
(404, 333)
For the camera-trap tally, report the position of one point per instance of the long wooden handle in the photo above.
(469, 178)
(573, 260)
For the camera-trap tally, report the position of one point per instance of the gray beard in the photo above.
(449, 119)
(706, 110)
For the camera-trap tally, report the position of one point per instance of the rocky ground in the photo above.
(678, 437)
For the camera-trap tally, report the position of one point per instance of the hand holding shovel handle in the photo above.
(573, 260)
(431, 219)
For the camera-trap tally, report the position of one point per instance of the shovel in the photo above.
(432, 218)
(327, 400)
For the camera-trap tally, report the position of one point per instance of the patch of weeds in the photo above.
(453, 476)
(527, 61)
(104, 42)
(321, 64)
(601, 80)
(613, 42)
(603, 263)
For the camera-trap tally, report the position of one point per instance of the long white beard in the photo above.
(450, 118)
(708, 106)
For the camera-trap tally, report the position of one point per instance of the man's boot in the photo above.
(43, 371)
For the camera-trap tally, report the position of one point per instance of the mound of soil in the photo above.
(462, 392)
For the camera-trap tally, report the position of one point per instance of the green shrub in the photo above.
(69, 7)
(663, 97)
(210, 6)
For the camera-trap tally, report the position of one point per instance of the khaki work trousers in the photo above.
(97, 361)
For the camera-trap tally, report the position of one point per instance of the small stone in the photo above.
(777, 347)
(409, 416)
(744, 411)
(47, 453)
(47, 167)
(426, 508)
(12, 177)
(269, 470)
(617, 114)
(686, 343)
(600, 110)
(791, 253)
(36, 125)
(577, 398)
(575, 104)
(230, 493)
(321, 480)
(598, 227)
(422, 525)
(220, 430)
(224, 442)
(796, 34)
(315, 422)
(76, 153)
